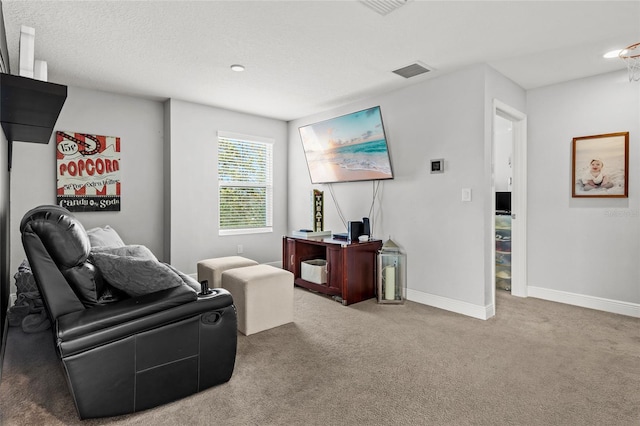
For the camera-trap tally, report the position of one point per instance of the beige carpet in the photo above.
(535, 363)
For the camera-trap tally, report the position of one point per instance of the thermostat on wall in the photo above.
(437, 166)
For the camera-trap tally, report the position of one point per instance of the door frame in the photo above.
(518, 199)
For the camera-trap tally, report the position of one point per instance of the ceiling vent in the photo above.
(384, 7)
(412, 70)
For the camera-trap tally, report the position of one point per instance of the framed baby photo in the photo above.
(601, 166)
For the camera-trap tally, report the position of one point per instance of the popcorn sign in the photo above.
(88, 170)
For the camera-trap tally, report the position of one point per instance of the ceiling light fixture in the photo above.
(237, 67)
(612, 54)
(631, 57)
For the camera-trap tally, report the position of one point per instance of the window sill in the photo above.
(225, 232)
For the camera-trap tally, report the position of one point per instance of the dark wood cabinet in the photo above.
(351, 267)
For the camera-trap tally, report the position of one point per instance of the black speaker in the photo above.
(366, 227)
(355, 230)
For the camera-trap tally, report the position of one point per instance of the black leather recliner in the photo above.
(131, 354)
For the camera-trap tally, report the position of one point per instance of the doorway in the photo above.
(510, 176)
(503, 185)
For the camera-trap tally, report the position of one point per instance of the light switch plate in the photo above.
(466, 194)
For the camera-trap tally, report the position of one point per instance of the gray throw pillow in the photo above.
(135, 276)
(106, 236)
(133, 250)
(191, 282)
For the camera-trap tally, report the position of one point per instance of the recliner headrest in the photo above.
(61, 233)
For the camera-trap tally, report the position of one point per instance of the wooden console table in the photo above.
(351, 268)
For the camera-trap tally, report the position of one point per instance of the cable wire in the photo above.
(333, 196)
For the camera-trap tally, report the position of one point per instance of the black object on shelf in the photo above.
(29, 108)
(503, 203)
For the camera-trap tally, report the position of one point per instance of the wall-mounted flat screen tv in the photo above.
(352, 147)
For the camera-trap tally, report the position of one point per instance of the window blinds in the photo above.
(245, 184)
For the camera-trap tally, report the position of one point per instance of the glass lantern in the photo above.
(392, 282)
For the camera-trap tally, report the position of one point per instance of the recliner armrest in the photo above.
(92, 327)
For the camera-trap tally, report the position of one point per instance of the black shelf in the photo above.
(29, 108)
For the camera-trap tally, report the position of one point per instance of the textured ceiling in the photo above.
(304, 57)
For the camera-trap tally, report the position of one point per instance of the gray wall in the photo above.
(4, 206)
(170, 194)
(589, 247)
(179, 225)
(139, 124)
(193, 187)
(4, 242)
(448, 243)
(444, 238)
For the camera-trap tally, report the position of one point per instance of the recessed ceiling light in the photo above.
(612, 54)
(237, 67)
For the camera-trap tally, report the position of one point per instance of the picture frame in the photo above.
(349, 148)
(88, 172)
(600, 166)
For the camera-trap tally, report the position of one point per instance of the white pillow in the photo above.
(106, 236)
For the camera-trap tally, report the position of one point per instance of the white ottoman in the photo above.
(212, 269)
(263, 296)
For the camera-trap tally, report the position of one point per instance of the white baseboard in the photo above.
(486, 312)
(591, 302)
(457, 306)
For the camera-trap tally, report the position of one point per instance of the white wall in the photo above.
(443, 237)
(502, 154)
(138, 123)
(585, 247)
(193, 186)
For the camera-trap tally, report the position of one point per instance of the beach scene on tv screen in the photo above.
(348, 148)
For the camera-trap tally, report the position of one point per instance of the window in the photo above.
(245, 184)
